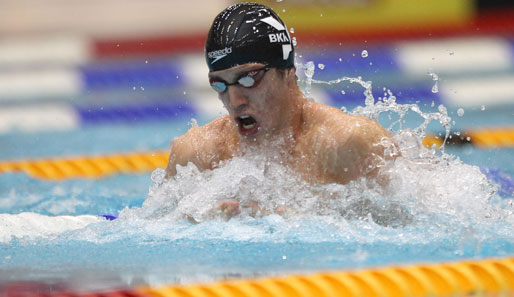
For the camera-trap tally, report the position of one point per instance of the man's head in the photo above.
(251, 62)
(248, 33)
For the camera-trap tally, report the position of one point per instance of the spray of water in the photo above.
(427, 186)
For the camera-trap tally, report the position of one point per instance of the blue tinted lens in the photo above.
(219, 86)
(246, 81)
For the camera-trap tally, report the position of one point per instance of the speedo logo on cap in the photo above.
(219, 54)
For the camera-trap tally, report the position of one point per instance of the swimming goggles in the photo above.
(247, 80)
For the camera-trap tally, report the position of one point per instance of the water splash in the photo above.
(435, 78)
(429, 189)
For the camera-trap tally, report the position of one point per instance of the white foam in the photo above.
(32, 226)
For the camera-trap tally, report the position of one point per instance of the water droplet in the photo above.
(468, 138)
(460, 112)
(435, 88)
(457, 133)
(142, 88)
(321, 15)
(291, 30)
(284, 257)
(283, 10)
(134, 88)
(364, 54)
(343, 109)
(321, 66)
(370, 63)
(340, 60)
(482, 107)
(185, 92)
(343, 92)
(294, 41)
(435, 77)
(279, 0)
(146, 62)
(452, 53)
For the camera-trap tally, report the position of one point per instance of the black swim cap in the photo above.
(248, 33)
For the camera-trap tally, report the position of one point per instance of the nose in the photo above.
(236, 97)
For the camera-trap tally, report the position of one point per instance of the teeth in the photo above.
(247, 122)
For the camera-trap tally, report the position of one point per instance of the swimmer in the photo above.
(250, 57)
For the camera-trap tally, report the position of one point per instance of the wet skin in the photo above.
(321, 143)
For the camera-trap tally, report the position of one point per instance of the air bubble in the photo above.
(291, 30)
(482, 107)
(321, 66)
(460, 112)
(364, 54)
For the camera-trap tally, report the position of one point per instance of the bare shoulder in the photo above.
(203, 145)
(336, 124)
(349, 146)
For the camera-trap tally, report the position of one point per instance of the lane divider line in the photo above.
(139, 162)
(491, 277)
(88, 166)
(483, 138)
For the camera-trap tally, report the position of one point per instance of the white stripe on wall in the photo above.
(40, 83)
(44, 50)
(47, 117)
(455, 55)
(474, 92)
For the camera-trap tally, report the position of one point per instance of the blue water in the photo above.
(144, 250)
(454, 213)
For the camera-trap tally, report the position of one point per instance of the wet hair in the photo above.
(248, 33)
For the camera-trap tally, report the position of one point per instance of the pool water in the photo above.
(438, 210)
(440, 206)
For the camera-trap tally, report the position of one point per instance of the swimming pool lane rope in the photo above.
(492, 277)
(139, 162)
(88, 166)
(483, 138)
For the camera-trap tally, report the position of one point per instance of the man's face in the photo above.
(257, 109)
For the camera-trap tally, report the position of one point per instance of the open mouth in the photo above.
(247, 124)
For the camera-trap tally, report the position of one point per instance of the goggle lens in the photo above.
(246, 81)
(219, 86)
